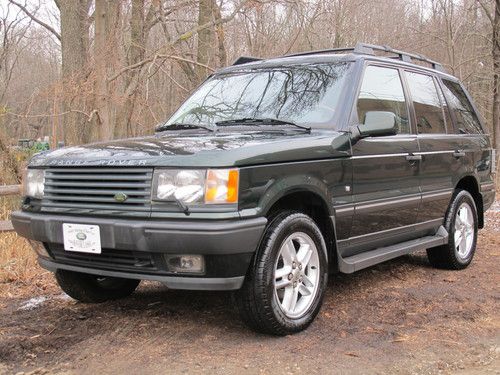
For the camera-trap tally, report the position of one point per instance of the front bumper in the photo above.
(136, 248)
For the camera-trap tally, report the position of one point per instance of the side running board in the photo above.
(369, 258)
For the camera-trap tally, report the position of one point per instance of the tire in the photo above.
(292, 246)
(457, 254)
(94, 289)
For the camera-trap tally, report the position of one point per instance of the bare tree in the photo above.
(494, 17)
(106, 69)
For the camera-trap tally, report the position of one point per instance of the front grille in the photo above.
(111, 259)
(93, 190)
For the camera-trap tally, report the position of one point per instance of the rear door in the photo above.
(439, 146)
(385, 172)
(475, 155)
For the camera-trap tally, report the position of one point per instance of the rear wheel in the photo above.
(461, 224)
(94, 289)
(283, 291)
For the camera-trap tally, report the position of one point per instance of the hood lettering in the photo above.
(117, 163)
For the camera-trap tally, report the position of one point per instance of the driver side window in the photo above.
(382, 91)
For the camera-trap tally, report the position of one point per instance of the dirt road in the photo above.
(399, 317)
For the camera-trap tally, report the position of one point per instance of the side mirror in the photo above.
(377, 123)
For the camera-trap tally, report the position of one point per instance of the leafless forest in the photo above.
(84, 70)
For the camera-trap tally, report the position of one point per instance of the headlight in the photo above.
(33, 183)
(213, 186)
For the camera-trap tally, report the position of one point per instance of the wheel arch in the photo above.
(313, 204)
(470, 184)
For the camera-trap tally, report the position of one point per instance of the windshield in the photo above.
(307, 95)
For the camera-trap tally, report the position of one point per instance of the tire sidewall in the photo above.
(294, 222)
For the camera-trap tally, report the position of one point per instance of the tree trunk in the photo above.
(496, 79)
(105, 54)
(206, 36)
(220, 36)
(136, 52)
(74, 36)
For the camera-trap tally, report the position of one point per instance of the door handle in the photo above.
(458, 154)
(412, 157)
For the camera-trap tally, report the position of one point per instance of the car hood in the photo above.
(197, 149)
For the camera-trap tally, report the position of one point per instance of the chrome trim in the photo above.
(375, 204)
(379, 155)
(436, 195)
(434, 152)
(403, 154)
(344, 210)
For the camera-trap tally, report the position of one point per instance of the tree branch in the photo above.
(152, 58)
(217, 22)
(41, 23)
(486, 10)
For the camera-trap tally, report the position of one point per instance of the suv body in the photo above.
(391, 146)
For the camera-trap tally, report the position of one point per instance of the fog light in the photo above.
(39, 248)
(185, 263)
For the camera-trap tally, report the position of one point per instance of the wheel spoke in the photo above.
(470, 220)
(288, 252)
(307, 281)
(290, 299)
(463, 245)
(304, 254)
(282, 284)
(293, 301)
(463, 215)
(282, 272)
(458, 237)
(304, 290)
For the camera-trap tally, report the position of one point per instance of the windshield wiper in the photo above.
(259, 122)
(181, 126)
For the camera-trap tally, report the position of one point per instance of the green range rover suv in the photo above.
(273, 174)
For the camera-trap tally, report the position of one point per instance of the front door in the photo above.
(386, 191)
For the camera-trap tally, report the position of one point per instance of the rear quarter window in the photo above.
(466, 120)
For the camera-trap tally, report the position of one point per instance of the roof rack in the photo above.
(362, 49)
(369, 49)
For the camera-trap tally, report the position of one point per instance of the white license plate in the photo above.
(82, 238)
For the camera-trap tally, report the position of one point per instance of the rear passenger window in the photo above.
(428, 109)
(382, 90)
(465, 117)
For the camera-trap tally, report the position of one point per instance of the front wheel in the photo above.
(461, 224)
(94, 289)
(284, 289)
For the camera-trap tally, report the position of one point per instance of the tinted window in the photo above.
(306, 94)
(446, 110)
(382, 90)
(426, 103)
(465, 117)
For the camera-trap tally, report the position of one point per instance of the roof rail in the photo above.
(362, 49)
(369, 49)
(401, 55)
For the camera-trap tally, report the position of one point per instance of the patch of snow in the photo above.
(495, 207)
(32, 303)
(64, 297)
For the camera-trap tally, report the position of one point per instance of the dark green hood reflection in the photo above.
(201, 149)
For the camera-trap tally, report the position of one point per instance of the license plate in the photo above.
(82, 238)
